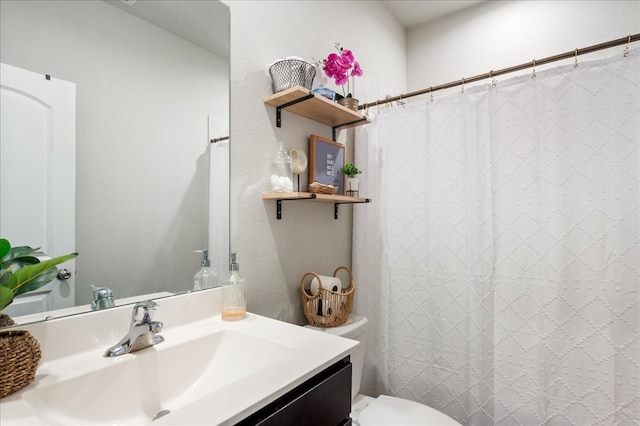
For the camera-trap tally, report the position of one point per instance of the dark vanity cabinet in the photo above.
(323, 400)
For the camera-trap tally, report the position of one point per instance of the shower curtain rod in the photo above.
(572, 54)
(216, 140)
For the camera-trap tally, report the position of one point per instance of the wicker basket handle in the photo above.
(351, 283)
(304, 290)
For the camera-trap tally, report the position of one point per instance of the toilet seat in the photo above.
(391, 411)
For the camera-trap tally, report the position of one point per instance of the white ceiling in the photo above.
(411, 13)
(205, 23)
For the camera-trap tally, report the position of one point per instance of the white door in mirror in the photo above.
(37, 176)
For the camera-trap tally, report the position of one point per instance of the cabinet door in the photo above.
(323, 400)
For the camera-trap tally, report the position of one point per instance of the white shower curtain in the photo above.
(499, 262)
(219, 208)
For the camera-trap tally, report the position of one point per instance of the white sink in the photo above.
(207, 371)
(137, 387)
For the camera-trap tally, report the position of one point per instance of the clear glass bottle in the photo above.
(205, 277)
(234, 297)
(281, 173)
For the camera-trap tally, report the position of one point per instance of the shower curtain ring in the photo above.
(462, 85)
(493, 79)
(431, 94)
(626, 48)
(575, 58)
(533, 76)
(401, 102)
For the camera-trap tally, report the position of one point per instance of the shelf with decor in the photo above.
(279, 197)
(301, 101)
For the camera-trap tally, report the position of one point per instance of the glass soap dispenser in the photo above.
(234, 298)
(205, 277)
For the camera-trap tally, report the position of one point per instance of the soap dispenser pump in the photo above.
(234, 299)
(205, 277)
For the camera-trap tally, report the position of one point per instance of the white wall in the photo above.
(274, 254)
(143, 96)
(500, 34)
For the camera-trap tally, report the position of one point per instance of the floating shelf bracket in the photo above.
(279, 204)
(288, 104)
(334, 129)
(335, 207)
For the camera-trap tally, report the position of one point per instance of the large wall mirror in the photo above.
(152, 90)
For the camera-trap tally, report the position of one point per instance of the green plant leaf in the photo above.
(17, 252)
(5, 247)
(6, 297)
(25, 275)
(10, 266)
(5, 274)
(41, 280)
(19, 262)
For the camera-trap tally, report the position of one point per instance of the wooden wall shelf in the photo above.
(301, 101)
(313, 197)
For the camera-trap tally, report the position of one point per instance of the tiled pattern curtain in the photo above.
(499, 262)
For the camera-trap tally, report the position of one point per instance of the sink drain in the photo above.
(161, 413)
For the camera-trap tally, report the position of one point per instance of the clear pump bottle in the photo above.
(205, 277)
(234, 299)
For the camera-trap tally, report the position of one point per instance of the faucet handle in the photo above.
(143, 311)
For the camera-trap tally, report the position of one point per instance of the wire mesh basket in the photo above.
(288, 73)
(327, 308)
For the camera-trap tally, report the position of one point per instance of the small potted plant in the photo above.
(353, 184)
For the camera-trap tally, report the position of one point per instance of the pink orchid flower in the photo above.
(340, 67)
(357, 71)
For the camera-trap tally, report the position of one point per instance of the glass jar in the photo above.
(281, 174)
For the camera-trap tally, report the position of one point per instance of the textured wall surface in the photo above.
(274, 254)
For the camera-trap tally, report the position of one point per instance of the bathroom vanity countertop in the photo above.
(308, 353)
(207, 371)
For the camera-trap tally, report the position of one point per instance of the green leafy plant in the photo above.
(21, 272)
(350, 170)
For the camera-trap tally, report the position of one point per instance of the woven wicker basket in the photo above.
(327, 308)
(19, 358)
(6, 321)
(319, 188)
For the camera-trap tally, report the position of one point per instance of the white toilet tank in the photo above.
(355, 328)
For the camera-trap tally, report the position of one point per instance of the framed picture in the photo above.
(326, 158)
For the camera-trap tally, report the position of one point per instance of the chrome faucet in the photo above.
(102, 298)
(143, 332)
